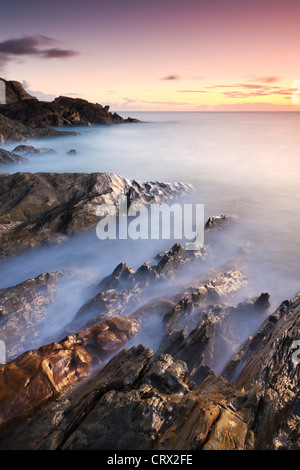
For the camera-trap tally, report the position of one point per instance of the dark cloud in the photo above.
(171, 77)
(58, 53)
(32, 46)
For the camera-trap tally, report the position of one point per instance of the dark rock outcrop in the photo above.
(217, 222)
(125, 289)
(48, 207)
(63, 111)
(209, 335)
(268, 363)
(23, 309)
(11, 129)
(30, 150)
(8, 158)
(24, 116)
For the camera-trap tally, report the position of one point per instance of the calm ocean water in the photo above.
(241, 164)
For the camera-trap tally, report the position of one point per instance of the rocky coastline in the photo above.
(94, 384)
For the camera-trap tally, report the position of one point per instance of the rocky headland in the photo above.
(24, 116)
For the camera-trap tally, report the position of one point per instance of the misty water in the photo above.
(245, 165)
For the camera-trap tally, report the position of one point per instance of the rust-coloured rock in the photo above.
(38, 375)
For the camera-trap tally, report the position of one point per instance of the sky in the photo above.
(165, 55)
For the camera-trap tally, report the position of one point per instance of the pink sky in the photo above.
(159, 55)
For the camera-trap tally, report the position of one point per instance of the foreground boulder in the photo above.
(136, 404)
(29, 381)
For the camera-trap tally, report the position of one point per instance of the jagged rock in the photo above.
(134, 403)
(125, 289)
(216, 416)
(48, 207)
(117, 279)
(29, 381)
(23, 309)
(211, 291)
(268, 362)
(210, 335)
(29, 150)
(217, 222)
(8, 158)
(11, 129)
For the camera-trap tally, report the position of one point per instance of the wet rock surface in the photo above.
(46, 208)
(36, 376)
(136, 402)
